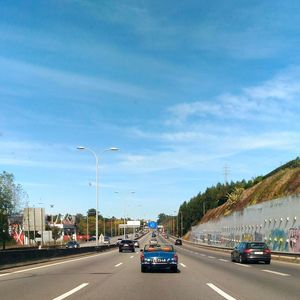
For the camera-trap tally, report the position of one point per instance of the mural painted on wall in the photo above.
(247, 237)
(258, 236)
(278, 240)
(294, 240)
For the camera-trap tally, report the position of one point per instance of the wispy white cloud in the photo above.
(273, 100)
(73, 81)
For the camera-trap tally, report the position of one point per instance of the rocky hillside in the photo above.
(281, 182)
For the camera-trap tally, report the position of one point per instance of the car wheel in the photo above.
(143, 269)
(120, 250)
(174, 269)
(232, 258)
(267, 262)
(241, 261)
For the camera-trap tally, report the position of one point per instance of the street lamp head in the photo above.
(113, 149)
(80, 148)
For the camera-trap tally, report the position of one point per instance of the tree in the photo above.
(91, 212)
(11, 195)
(56, 233)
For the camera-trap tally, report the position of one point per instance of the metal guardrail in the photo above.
(14, 258)
(20, 257)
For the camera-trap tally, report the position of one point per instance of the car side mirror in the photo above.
(141, 250)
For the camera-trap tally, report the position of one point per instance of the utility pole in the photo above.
(226, 173)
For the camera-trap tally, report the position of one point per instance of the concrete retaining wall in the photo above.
(276, 222)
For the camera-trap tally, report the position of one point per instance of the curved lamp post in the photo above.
(97, 185)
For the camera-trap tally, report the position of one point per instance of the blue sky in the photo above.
(182, 89)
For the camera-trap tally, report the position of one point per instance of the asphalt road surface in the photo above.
(203, 274)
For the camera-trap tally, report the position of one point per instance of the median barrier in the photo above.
(14, 258)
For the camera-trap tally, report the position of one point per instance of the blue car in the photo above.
(159, 257)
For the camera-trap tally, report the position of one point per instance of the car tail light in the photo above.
(175, 257)
(142, 258)
(247, 251)
(267, 251)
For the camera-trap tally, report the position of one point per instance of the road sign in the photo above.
(152, 225)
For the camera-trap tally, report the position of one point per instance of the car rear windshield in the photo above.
(126, 241)
(256, 246)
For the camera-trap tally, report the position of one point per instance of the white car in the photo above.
(106, 240)
(153, 242)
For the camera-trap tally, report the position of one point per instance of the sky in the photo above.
(182, 89)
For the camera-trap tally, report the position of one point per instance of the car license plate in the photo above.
(159, 260)
(126, 245)
(258, 252)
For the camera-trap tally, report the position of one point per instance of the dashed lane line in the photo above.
(73, 291)
(183, 265)
(132, 256)
(245, 266)
(210, 256)
(220, 292)
(276, 273)
(119, 264)
(224, 260)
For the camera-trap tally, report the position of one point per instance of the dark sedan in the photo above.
(251, 252)
(178, 242)
(126, 245)
(72, 244)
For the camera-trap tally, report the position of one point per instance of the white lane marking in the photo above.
(51, 265)
(119, 264)
(196, 252)
(225, 260)
(183, 265)
(246, 266)
(220, 292)
(277, 273)
(210, 256)
(202, 254)
(132, 256)
(67, 294)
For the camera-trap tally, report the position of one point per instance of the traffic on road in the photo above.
(201, 274)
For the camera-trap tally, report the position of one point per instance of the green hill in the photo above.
(283, 181)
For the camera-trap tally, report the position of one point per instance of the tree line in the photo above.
(191, 212)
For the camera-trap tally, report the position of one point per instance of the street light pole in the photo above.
(181, 224)
(97, 184)
(132, 192)
(87, 226)
(103, 226)
(177, 223)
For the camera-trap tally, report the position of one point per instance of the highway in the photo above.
(203, 274)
